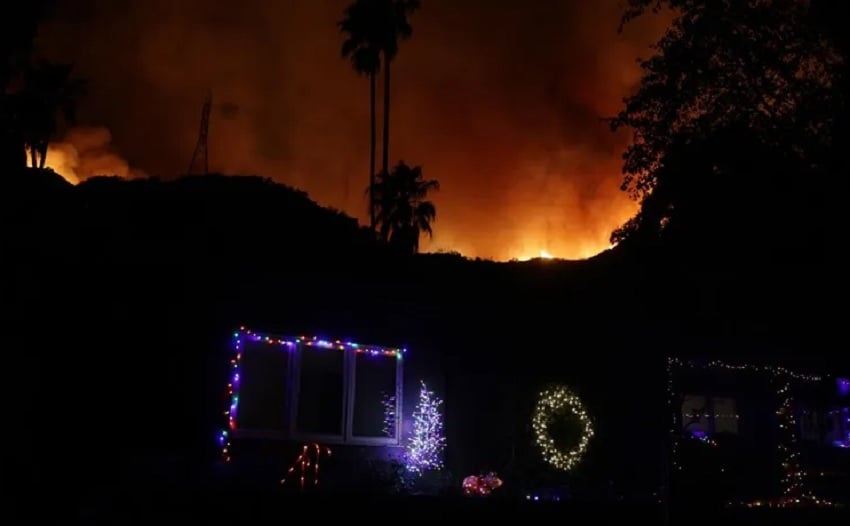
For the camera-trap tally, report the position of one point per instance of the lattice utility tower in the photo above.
(199, 165)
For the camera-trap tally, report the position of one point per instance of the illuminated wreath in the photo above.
(551, 404)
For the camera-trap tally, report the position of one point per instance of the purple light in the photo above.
(843, 386)
(425, 449)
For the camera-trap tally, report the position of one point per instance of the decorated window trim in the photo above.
(295, 345)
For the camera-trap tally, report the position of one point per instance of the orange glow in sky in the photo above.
(502, 102)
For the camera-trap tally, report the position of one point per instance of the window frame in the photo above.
(351, 390)
(349, 379)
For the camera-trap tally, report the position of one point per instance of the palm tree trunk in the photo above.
(385, 230)
(386, 159)
(43, 154)
(372, 145)
(33, 157)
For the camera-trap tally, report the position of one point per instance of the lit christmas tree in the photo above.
(425, 449)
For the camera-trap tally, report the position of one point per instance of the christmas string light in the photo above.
(793, 478)
(388, 402)
(552, 403)
(794, 492)
(306, 464)
(703, 438)
(287, 344)
(698, 415)
(674, 443)
(426, 445)
(481, 485)
(775, 370)
(315, 341)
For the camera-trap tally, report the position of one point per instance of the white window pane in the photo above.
(374, 396)
(263, 372)
(695, 414)
(320, 391)
(725, 415)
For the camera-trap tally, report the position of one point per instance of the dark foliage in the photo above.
(360, 27)
(403, 211)
(35, 97)
(736, 125)
(373, 29)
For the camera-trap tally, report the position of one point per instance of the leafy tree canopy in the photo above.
(738, 104)
(404, 212)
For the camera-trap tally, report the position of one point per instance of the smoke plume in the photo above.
(501, 101)
(86, 152)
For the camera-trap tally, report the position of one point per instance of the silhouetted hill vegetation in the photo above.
(247, 239)
(216, 219)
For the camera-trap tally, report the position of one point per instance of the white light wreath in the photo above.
(551, 404)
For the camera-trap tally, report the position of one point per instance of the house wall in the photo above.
(489, 385)
(492, 391)
(745, 466)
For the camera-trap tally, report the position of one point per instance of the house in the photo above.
(346, 416)
(756, 435)
(359, 402)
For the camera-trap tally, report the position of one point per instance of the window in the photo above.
(809, 425)
(695, 414)
(374, 407)
(303, 389)
(704, 415)
(838, 427)
(725, 414)
(263, 381)
(321, 391)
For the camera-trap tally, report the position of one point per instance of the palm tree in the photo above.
(49, 98)
(403, 211)
(17, 37)
(393, 26)
(359, 24)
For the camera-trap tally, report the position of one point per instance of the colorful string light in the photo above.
(425, 449)
(481, 485)
(794, 476)
(307, 465)
(389, 403)
(551, 404)
(288, 344)
(702, 438)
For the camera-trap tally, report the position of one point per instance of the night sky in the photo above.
(501, 101)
